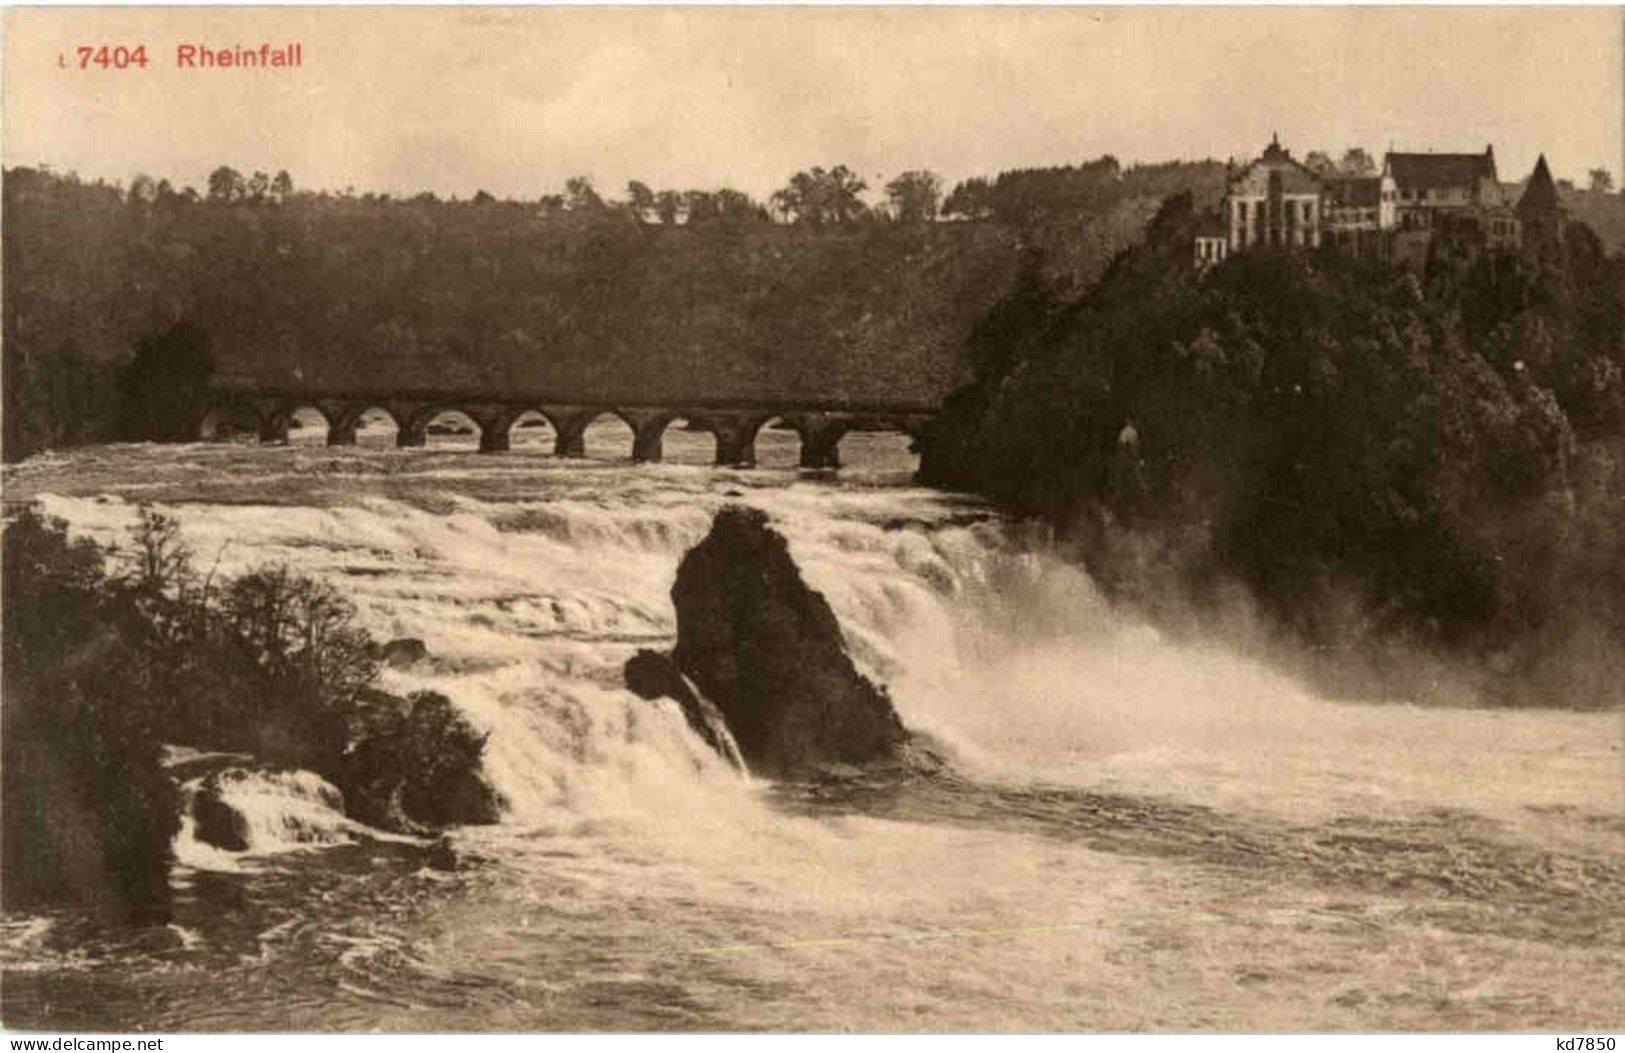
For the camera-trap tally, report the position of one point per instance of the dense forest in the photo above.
(814, 291)
(1430, 465)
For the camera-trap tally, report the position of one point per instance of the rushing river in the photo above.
(1136, 834)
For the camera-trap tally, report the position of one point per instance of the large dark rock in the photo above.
(294, 807)
(403, 652)
(416, 766)
(216, 822)
(768, 653)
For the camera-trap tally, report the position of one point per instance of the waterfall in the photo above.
(533, 581)
(270, 811)
(718, 727)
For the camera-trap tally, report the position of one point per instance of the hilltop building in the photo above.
(1360, 213)
(1539, 211)
(1435, 189)
(1278, 202)
(1274, 201)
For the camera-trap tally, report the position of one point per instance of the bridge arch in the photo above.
(225, 419)
(777, 442)
(444, 426)
(606, 435)
(378, 424)
(685, 439)
(818, 438)
(306, 424)
(367, 423)
(532, 429)
(885, 444)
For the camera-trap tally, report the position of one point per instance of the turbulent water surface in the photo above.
(1136, 834)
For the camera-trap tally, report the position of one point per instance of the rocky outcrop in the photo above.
(417, 767)
(652, 675)
(403, 652)
(266, 808)
(767, 651)
(215, 822)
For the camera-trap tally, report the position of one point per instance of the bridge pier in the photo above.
(648, 434)
(343, 421)
(412, 422)
(341, 432)
(821, 435)
(274, 427)
(736, 437)
(494, 429)
(571, 429)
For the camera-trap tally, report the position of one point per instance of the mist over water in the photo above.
(1136, 832)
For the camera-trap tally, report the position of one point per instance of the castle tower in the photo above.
(1540, 211)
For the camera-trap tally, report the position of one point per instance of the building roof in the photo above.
(1541, 193)
(1356, 191)
(1295, 177)
(1419, 171)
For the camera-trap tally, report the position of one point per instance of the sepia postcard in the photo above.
(813, 519)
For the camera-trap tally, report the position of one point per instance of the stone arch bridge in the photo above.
(270, 412)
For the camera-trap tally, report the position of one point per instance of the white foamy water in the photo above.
(1141, 833)
(279, 811)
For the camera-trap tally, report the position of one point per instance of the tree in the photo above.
(701, 208)
(972, 199)
(225, 185)
(1320, 162)
(668, 205)
(88, 809)
(1356, 162)
(726, 207)
(817, 197)
(143, 191)
(282, 186)
(641, 198)
(164, 383)
(915, 196)
(57, 400)
(258, 186)
(1602, 181)
(579, 196)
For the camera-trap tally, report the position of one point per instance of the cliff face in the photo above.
(768, 652)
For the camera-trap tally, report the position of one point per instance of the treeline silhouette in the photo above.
(810, 291)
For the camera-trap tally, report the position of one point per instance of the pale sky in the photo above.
(516, 100)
